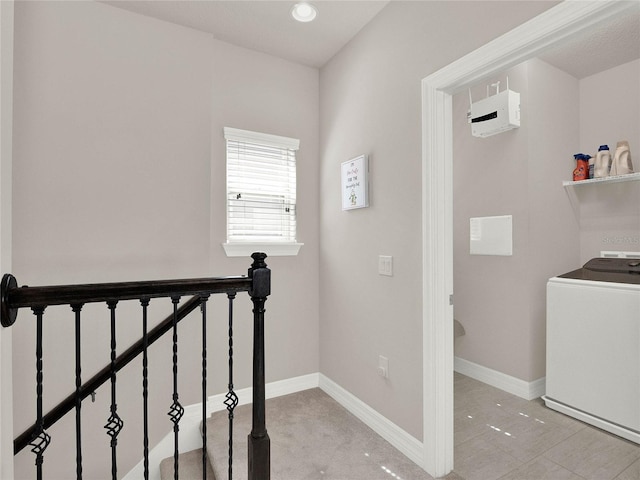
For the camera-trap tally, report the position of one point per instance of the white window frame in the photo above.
(241, 247)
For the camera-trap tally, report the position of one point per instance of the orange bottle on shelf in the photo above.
(581, 172)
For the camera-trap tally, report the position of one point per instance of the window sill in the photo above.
(274, 249)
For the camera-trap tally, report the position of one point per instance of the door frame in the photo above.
(564, 21)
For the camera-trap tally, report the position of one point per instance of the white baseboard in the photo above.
(400, 439)
(513, 385)
(215, 403)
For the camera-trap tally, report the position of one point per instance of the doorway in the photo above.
(564, 21)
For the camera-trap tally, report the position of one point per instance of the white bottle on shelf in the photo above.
(602, 163)
(621, 164)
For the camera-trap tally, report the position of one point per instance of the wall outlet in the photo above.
(383, 366)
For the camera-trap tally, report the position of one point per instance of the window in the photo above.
(261, 193)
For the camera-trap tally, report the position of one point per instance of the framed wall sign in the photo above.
(355, 183)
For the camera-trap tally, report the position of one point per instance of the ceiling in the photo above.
(605, 46)
(266, 26)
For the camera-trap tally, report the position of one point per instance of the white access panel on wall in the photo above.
(491, 235)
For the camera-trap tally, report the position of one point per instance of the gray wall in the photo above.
(104, 96)
(6, 151)
(119, 175)
(253, 91)
(370, 104)
(501, 301)
(610, 111)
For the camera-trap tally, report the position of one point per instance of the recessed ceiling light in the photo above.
(304, 12)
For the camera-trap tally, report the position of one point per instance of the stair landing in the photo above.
(312, 437)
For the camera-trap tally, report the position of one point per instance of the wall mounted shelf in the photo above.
(630, 177)
(596, 203)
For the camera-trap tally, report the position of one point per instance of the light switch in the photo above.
(385, 265)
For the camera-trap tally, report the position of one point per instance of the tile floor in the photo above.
(501, 436)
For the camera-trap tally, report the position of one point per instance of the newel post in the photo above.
(259, 443)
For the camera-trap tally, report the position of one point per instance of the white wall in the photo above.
(608, 108)
(552, 222)
(490, 178)
(610, 112)
(370, 103)
(119, 175)
(500, 301)
(253, 91)
(6, 147)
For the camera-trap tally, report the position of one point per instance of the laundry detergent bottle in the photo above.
(581, 172)
(602, 164)
(621, 164)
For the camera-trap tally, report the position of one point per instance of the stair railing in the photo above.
(258, 286)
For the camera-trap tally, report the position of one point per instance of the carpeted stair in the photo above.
(312, 436)
(189, 467)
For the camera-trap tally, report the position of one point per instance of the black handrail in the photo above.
(66, 405)
(257, 284)
(14, 298)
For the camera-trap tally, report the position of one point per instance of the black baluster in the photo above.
(176, 411)
(114, 423)
(231, 399)
(203, 308)
(78, 398)
(145, 392)
(41, 439)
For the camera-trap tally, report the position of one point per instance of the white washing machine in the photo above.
(593, 345)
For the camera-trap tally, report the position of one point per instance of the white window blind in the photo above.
(261, 187)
